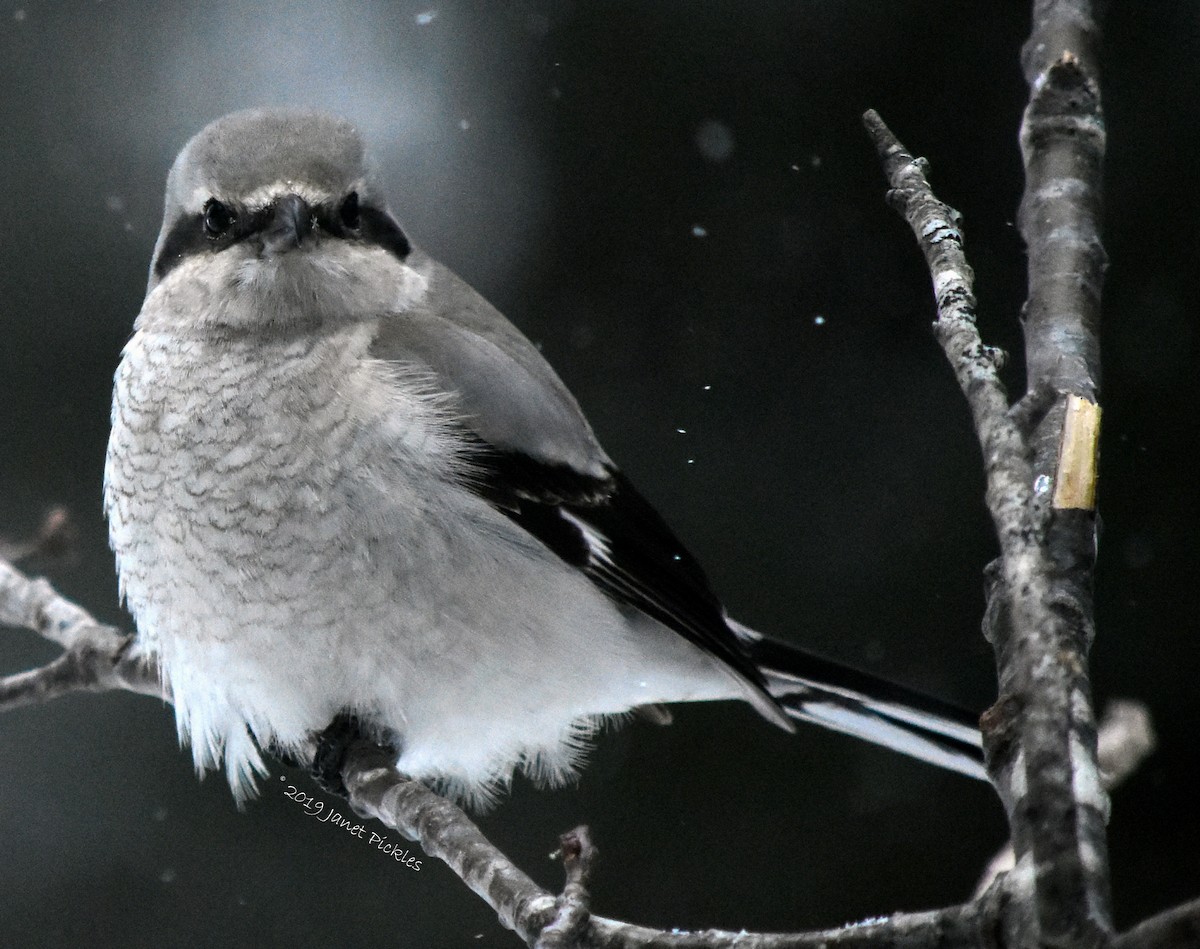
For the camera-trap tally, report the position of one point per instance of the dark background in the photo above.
(666, 197)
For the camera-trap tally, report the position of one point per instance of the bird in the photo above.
(341, 487)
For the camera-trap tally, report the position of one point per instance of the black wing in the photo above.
(606, 529)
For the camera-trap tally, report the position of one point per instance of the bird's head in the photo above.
(274, 222)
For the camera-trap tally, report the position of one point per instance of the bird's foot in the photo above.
(330, 757)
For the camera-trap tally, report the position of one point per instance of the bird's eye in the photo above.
(218, 219)
(350, 214)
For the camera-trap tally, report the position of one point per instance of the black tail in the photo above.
(846, 700)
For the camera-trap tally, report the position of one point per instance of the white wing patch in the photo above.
(599, 550)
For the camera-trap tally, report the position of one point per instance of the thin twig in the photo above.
(572, 909)
(33, 604)
(82, 668)
(56, 538)
(938, 232)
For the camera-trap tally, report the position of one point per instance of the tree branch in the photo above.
(1125, 739)
(1062, 144)
(1045, 665)
(97, 657)
(1177, 928)
(377, 790)
(1040, 735)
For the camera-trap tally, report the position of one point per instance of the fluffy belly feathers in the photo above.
(291, 551)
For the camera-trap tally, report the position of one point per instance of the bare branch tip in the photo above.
(997, 356)
(1125, 739)
(886, 143)
(571, 916)
(578, 853)
(56, 538)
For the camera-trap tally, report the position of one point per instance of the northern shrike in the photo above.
(339, 482)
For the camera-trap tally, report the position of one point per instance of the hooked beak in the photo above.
(290, 222)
